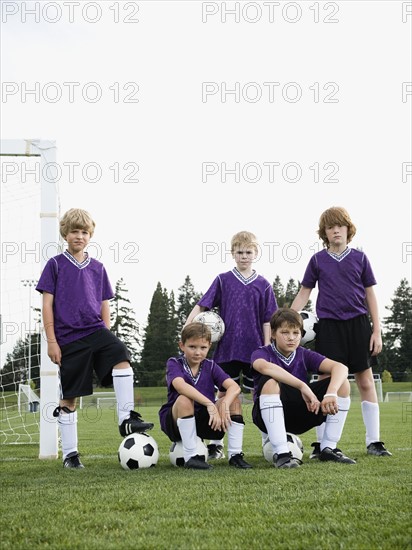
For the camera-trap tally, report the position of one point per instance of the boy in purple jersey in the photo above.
(76, 316)
(246, 302)
(283, 400)
(346, 296)
(191, 409)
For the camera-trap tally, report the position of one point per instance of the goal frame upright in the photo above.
(49, 216)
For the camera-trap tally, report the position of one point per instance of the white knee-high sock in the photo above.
(187, 429)
(271, 409)
(320, 430)
(235, 438)
(68, 432)
(370, 414)
(123, 387)
(334, 424)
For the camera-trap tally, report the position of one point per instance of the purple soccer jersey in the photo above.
(244, 305)
(79, 290)
(342, 280)
(209, 376)
(300, 363)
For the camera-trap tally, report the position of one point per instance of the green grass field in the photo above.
(316, 506)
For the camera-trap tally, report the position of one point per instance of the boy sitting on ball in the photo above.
(283, 400)
(191, 409)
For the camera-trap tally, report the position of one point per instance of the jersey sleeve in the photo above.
(48, 278)
(368, 278)
(212, 297)
(311, 274)
(173, 370)
(313, 360)
(260, 353)
(107, 291)
(271, 304)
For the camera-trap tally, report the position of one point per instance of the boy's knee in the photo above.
(344, 390)
(271, 386)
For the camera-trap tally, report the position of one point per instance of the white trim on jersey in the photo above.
(244, 280)
(72, 259)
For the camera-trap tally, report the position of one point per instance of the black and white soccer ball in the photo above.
(176, 452)
(213, 321)
(309, 322)
(137, 451)
(294, 443)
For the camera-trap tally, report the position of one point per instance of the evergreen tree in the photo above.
(15, 370)
(187, 298)
(159, 340)
(397, 336)
(284, 297)
(123, 322)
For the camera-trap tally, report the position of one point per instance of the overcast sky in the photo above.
(178, 124)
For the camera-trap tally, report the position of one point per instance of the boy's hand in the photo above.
(54, 352)
(312, 402)
(329, 405)
(224, 413)
(375, 343)
(215, 421)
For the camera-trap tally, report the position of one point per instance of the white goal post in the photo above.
(46, 151)
(398, 396)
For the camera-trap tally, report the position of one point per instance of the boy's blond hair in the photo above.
(76, 218)
(196, 330)
(336, 215)
(244, 239)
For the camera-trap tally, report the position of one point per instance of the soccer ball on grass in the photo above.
(176, 452)
(137, 451)
(294, 443)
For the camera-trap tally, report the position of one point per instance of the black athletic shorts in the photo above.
(234, 368)
(100, 351)
(297, 417)
(346, 342)
(203, 430)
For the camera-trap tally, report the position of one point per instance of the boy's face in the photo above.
(244, 256)
(195, 350)
(287, 338)
(337, 235)
(77, 240)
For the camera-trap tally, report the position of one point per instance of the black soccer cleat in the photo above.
(315, 454)
(285, 460)
(335, 455)
(134, 424)
(377, 449)
(72, 460)
(197, 463)
(237, 462)
(215, 452)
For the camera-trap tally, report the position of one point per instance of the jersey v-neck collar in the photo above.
(341, 256)
(283, 358)
(242, 279)
(72, 259)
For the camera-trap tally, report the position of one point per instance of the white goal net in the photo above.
(26, 378)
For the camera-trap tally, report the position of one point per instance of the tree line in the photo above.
(151, 346)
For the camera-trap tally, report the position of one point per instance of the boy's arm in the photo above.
(266, 334)
(183, 388)
(301, 299)
(375, 344)
(53, 348)
(105, 313)
(223, 404)
(338, 374)
(281, 375)
(195, 311)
